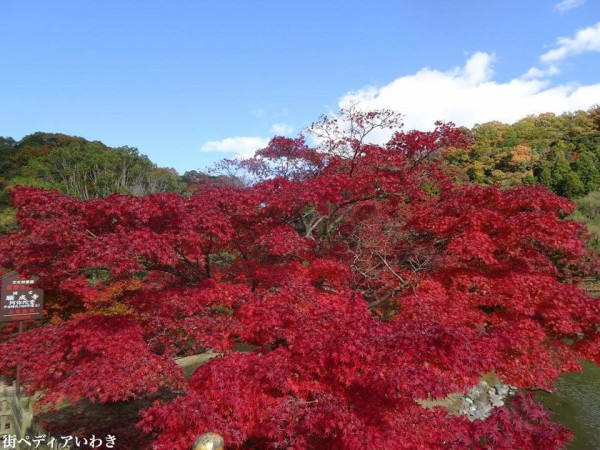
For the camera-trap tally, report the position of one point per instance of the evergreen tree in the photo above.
(586, 166)
(572, 186)
(545, 176)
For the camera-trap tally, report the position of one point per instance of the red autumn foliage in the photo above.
(359, 278)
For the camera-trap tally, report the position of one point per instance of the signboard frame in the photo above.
(20, 300)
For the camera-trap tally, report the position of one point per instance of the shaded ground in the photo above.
(117, 419)
(87, 418)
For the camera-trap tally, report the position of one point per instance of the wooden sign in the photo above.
(20, 299)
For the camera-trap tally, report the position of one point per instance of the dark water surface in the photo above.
(576, 404)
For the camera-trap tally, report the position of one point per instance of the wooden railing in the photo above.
(16, 419)
(5, 411)
(592, 286)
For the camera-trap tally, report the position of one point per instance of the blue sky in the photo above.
(191, 82)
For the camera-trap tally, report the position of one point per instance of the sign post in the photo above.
(20, 301)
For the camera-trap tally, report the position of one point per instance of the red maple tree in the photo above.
(359, 278)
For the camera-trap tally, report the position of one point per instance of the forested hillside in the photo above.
(78, 167)
(560, 152)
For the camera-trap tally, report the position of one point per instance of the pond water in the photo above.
(576, 404)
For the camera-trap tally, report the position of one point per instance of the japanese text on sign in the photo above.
(20, 300)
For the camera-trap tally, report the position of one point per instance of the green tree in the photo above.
(588, 211)
(586, 166)
(572, 186)
(545, 176)
(559, 168)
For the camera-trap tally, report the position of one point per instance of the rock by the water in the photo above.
(478, 403)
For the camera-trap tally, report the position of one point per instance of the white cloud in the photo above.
(567, 5)
(282, 129)
(243, 146)
(585, 40)
(478, 68)
(535, 72)
(469, 95)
